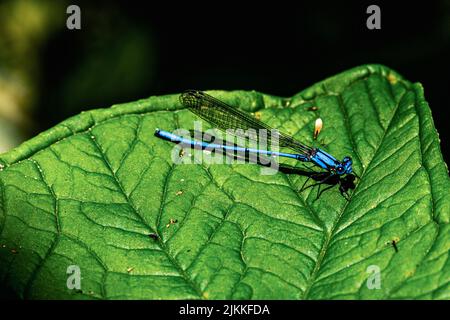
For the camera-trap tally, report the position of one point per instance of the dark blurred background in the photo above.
(126, 51)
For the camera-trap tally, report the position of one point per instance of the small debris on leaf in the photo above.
(154, 236)
(394, 244)
(171, 221)
(317, 127)
(392, 79)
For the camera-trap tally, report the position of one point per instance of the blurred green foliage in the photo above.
(24, 27)
(48, 73)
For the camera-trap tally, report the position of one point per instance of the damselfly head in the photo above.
(340, 169)
(344, 167)
(347, 165)
(347, 159)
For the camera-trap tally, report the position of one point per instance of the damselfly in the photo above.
(224, 117)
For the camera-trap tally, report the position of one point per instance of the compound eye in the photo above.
(340, 169)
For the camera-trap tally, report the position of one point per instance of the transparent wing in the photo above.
(224, 116)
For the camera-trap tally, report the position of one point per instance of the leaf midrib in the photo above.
(330, 235)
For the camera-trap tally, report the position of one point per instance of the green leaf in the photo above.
(90, 191)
